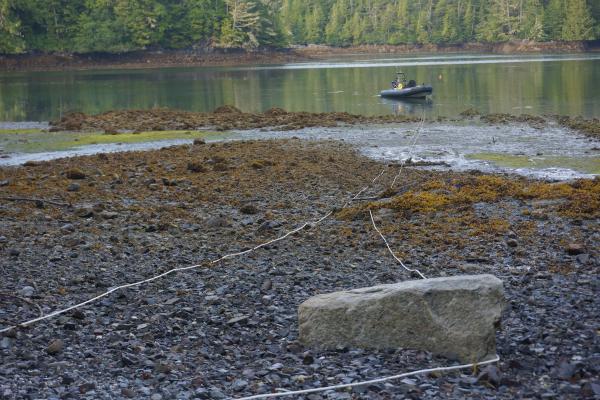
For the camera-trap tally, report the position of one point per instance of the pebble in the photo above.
(239, 384)
(5, 343)
(248, 209)
(86, 387)
(84, 211)
(238, 319)
(55, 346)
(575, 248)
(75, 173)
(490, 374)
(27, 291)
(73, 187)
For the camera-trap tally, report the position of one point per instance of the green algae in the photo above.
(60, 141)
(589, 165)
(19, 131)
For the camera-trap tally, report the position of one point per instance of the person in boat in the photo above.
(400, 81)
(397, 85)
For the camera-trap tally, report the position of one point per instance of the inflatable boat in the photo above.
(415, 92)
(403, 90)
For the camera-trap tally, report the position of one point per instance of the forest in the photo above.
(84, 26)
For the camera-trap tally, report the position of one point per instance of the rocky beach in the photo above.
(76, 227)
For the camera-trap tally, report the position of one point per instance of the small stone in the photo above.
(249, 209)
(512, 243)
(129, 393)
(75, 173)
(194, 166)
(218, 222)
(239, 385)
(55, 346)
(566, 370)
(128, 359)
(267, 285)
(199, 141)
(86, 387)
(156, 396)
(238, 319)
(216, 394)
(109, 214)
(308, 359)
(574, 248)
(4, 182)
(67, 380)
(163, 368)
(212, 299)
(84, 211)
(5, 343)
(27, 291)
(13, 252)
(198, 381)
(3, 239)
(583, 258)
(491, 375)
(73, 187)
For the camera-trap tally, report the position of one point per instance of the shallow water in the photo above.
(534, 84)
(553, 152)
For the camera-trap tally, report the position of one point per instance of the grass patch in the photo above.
(61, 141)
(19, 131)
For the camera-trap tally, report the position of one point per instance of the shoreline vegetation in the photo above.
(62, 61)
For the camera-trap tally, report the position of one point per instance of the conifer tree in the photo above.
(578, 24)
(11, 39)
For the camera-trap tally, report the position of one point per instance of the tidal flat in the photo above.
(75, 227)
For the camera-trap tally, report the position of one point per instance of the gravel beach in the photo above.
(74, 228)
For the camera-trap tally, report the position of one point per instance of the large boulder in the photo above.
(451, 316)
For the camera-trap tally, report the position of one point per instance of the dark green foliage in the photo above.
(125, 25)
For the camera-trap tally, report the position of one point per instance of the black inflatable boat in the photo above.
(415, 92)
(403, 90)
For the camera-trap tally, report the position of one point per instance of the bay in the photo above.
(533, 84)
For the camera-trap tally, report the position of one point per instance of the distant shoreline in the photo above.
(217, 57)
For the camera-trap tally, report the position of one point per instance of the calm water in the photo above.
(566, 85)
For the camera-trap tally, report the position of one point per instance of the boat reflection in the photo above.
(408, 106)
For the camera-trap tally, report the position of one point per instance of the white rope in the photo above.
(171, 271)
(390, 249)
(370, 382)
(411, 149)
